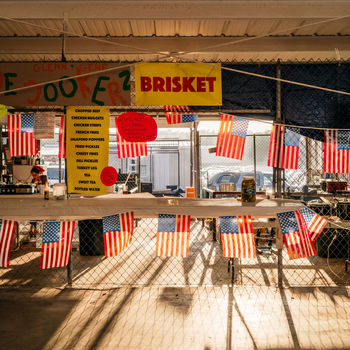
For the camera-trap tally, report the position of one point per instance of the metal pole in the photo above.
(178, 166)
(196, 161)
(277, 173)
(279, 246)
(69, 271)
(139, 174)
(278, 179)
(1, 151)
(191, 156)
(254, 145)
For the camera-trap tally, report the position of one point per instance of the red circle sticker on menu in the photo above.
(136, 127)
(109, 176)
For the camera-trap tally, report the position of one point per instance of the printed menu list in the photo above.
(87, 148)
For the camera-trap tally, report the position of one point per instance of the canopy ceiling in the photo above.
(228, 31)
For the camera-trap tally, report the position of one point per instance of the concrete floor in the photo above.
(193, 318)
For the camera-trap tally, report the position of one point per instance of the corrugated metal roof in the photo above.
(174, 27)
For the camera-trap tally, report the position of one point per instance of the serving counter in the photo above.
(143, 205)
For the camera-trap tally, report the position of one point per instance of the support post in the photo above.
(69, 271)
(278, 172)
(278, 181)
(254, 152)
(139, 174)
(191, 156)
(196, 161)
(279, 246)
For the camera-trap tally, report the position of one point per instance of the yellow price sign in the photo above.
(87, 143)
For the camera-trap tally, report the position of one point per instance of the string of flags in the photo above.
(300, 229)
(283, 147)
(179, 114)
(231, 137)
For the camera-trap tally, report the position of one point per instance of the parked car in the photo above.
(263, 180)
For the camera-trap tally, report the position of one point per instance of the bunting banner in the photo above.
(336, 151)
(237, 237)
(179, 115)
(56, 244)
(7, 231)
(117, 232)
(284, 147)
(173, 235)
(296, 235)
(62, 139)
(128, 149)
(231, 137)
(20, 132)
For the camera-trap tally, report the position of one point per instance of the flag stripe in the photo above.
(20, 143)
(228, 144)
(62, 139)
(239, 244)
(336, 160)
(116, 241)
(175, 243)
(129, 149)
(56, 254)
(7, 231)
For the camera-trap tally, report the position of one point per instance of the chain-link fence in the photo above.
(205, 265)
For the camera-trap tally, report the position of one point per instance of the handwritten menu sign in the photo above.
(87, 148)
(136, 127)
(44, 126)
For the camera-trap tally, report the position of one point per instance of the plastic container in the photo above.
(59, 191)
(190, 192)
(248, 189)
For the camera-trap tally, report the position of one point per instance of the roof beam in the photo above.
(175, 10)
(166, 45)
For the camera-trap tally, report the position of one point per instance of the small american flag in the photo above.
(117, 232)
(284, 147)
(177, 109)
(7, 230)
(173, 235)
(56, 243)
(128, 149)
(231, 137)
(20, 131)
(296, 235)
(237, 237)
(179, 114)
(62, 139)
(178, 118)
(315, 223)
(336, 151)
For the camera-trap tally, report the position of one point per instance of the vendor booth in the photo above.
(158, 163)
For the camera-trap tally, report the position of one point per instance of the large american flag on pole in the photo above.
(117, 232)
(231, 137)
(296, 235)
(284, 147)
(128, 149)
(20, 132)
(336, 151)
(56, 244)
(62, 139)
(7, 230)
(314, 222)
(237, 237)
(173, 235)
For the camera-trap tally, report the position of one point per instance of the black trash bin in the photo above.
(91, 237)
(333, 242)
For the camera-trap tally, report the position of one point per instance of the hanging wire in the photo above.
(174, 56)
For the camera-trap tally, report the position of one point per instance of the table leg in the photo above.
(279, 246)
